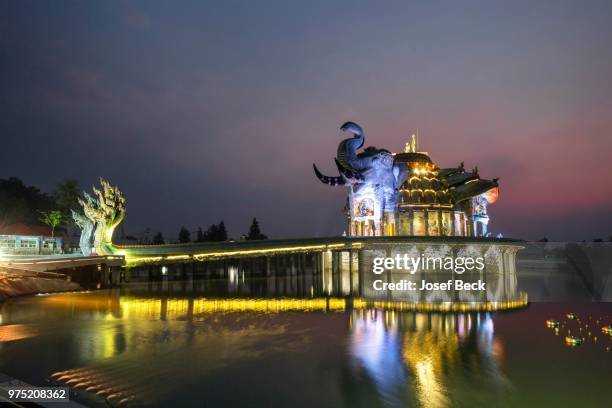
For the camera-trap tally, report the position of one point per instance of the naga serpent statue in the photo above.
(105, 212)
(87, 229)
(371, 175)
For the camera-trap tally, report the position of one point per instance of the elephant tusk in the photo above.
(332, 181)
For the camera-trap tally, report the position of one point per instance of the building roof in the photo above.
(25, 229)
(428, 185)
(412, 157)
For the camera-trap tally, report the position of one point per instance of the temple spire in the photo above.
(411, 147)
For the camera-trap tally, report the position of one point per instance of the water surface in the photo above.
(165, 348)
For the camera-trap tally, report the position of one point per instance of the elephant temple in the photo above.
(407, 194)
(392, 196)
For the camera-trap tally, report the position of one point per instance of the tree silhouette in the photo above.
(158, 239)
(222, 233)
(184, 235)
(214, 233)
(66, 196)
(255, 232)
(21, 203)
(200, 235)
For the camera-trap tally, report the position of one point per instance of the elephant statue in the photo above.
(371, 175)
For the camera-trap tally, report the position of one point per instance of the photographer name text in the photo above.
(423, 263)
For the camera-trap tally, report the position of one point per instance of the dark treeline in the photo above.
(24, 204)
(20, 203)
(214, 233)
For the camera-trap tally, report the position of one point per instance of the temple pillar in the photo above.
(410, 222)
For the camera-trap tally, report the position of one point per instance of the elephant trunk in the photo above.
(347, 149)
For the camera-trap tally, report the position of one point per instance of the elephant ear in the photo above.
(399, 176)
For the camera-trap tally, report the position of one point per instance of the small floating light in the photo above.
(573, 341)
(571, 316)
(552, 324)
(607, 330)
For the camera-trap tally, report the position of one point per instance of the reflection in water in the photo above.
(409, 357)
(127, 346)
(424, 354)
(167, 348)
(138, 307)
(154, 373)
(376, 347)
(12, 332)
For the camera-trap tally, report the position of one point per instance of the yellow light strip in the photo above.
(201, 256)
(175, 307)
(178, 307)
(176, 257)
(7, 261)
(440, 307)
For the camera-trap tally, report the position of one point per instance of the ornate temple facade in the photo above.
(407, 194)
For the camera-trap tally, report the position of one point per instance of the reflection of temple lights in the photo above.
(487, 327)
(232, 272)
(14, 332)
(151, 307)
(430, 389)
(361, 303)
(461, 327)
(426, 353)
(375, 345)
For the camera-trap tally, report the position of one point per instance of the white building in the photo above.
(22, 239)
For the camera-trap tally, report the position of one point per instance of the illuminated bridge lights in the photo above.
(152, 308)
(133, 258)
(440, 307)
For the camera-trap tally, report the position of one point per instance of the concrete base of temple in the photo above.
(347, 267)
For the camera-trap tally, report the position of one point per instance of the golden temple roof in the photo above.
(428, 185)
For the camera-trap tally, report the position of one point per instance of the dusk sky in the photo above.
(206, 111)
